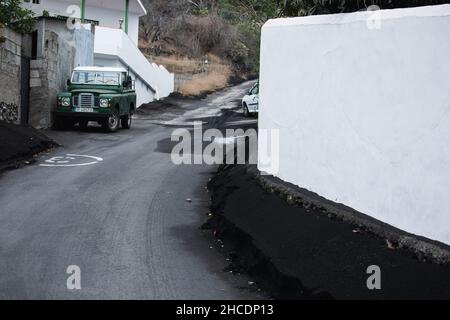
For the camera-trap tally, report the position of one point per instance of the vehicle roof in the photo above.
(100, 69)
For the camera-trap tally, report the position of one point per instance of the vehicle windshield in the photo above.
(92, 77)
(255, 89)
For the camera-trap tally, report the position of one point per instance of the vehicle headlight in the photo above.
(104, 103)
(65, 101)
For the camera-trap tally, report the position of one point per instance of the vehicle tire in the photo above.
(246, 113)
(83, 124)
(112, 123)
(126, 121)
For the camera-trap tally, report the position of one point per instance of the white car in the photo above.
(250, 102)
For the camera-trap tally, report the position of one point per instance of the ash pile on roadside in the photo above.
(304, 252)
(229, 223)
(19, 143)
(164, 109)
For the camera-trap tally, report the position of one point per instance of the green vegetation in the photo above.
(309, 7)
(14, 16)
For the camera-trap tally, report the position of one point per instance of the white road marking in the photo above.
(66, 161)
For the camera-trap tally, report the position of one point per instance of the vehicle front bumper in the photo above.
(253, 108)
(69, 112)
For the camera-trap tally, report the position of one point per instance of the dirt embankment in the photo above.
(197, 78)
(305, 252)
(19, 143)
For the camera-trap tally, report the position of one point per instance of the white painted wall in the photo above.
(107, 13)
(143, 91)
(114, 48)
(110, 18)
(364, 114)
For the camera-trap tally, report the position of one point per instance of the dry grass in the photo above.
(206, 78)
(217, 78)
(177, 64)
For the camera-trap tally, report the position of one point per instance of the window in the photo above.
(108, 78)
(255, 90)
(92, 77)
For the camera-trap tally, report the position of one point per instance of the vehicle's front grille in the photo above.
(86, 100)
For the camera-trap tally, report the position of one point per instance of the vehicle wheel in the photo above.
(83, 124)
(246, 113)
(112, 123)
(126, 121)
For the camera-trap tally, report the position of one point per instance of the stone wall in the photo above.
(10, 61)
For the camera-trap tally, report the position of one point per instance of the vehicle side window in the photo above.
(255, 90)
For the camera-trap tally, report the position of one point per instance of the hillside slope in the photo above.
(211, 42)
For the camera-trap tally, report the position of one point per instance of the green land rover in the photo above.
(102, 94)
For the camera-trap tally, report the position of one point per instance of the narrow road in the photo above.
(124, 219)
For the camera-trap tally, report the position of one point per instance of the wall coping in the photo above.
(359, 16)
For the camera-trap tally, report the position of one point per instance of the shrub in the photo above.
(15, 17)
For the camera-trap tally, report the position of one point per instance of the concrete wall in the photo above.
(107, 12)
(114, 48)
(110, 19)
(10, 64)
(48, 75)
(362, 105)
(180, 79)
(82, 39)
(143, 91)
(59, 51)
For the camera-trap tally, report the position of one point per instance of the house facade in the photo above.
(115, 26)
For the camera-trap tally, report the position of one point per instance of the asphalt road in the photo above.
(123, 219)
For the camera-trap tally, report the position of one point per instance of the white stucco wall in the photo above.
(364, 113)
(105, 12)
(143, 92)
(114, 48)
